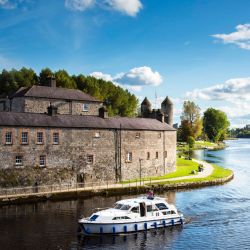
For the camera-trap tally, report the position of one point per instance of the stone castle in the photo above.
(53, 135)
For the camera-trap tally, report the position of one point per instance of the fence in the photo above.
(67, 187)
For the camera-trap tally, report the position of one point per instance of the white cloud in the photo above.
(241, 37)
(140, 76)
(232, 97)
(79, 5)
(232, 89)
(128, 7)
(134, 79)
(100, 75)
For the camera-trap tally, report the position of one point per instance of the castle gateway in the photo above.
(51, 135)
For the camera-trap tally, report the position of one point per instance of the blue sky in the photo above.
(188, 49)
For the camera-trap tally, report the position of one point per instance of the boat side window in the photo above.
(149, 208)
(118, 206)
(93, 217)
(161, 206)
(172, 212)
(116, 218)
(125, 207)
(135, 210)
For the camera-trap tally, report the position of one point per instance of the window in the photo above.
(19, 160)
(85, 107)
(165, 154)
(159, 135)
(135, 210)
(149, 208)
(161, 206)
(156, 155)
(97, 135)
(8, 137)
(55, 138)
(40, 137)
(24, 139)
(117, 206)
(90, 159)
(42, 161)
(129, 157)
(137, 136)
(148, 155)
(93, 217)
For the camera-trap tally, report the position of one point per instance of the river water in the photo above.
(218, 217)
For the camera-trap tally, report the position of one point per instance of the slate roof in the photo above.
(53, 93)
(78, 121)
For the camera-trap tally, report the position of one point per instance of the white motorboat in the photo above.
(132, 215)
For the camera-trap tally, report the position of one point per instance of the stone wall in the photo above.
(40, 105)
(77, 145)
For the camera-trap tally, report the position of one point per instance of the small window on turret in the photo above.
(138, 135)
(159, 135)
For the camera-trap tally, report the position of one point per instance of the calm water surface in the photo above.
(219, 217)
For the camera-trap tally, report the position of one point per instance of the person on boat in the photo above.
(150, 195)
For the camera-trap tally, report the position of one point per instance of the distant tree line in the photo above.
(240, 133)
(212, 126)
(118, 101)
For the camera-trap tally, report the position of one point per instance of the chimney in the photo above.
(52, 110)
(160, 116)
(51, 81)
(103, 112)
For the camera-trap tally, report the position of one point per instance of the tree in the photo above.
(43, 76)
(191, 122)
(119, 101)
(215, 124)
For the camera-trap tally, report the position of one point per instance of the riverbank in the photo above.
(211, 175)
(182, 146)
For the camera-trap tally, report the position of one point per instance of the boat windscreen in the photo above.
(118, 206)
(125, 207)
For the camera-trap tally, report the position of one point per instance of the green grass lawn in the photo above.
(218, 173)
(183, 168)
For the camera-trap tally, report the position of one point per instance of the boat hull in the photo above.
(89, 228)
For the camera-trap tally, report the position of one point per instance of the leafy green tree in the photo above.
(184, 131)
(43, 76)
(191, 121)
(215, 124)
(63, 79)
(119, 101)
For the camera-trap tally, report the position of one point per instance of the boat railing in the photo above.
(97, 209)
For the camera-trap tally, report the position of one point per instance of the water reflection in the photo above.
(164, 237)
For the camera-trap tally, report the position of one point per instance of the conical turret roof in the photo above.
(167, 101)
(146, 102)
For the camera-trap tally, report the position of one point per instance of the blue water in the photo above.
(218, 217)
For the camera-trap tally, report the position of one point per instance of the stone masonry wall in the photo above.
(69, 158)
(35, 105)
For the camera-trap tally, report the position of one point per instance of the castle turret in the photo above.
(168, 110)
(145, 108)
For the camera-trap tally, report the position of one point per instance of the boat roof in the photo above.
(135, 201)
